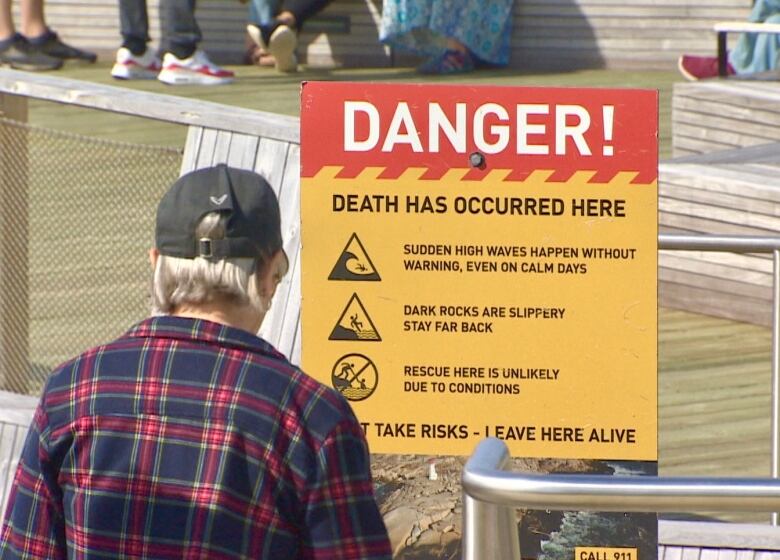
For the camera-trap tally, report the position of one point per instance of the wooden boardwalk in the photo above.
(714, 385)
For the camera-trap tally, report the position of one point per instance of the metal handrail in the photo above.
(490, 496)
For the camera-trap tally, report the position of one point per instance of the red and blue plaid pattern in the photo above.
(190, 439)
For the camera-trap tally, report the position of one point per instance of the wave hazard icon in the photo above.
(354, 323)
(355, 376)
(354, 263)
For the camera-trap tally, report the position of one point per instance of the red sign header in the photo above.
(399, 126)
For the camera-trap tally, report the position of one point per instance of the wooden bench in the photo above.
(725, 27)
(696, 540)
(713, 115)
(731, 192)
(546, 34)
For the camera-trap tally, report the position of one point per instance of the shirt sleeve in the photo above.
(34, 526)
(342, 520)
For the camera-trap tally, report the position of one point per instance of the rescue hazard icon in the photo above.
(354, 323)
(354, 263)
(355, 376)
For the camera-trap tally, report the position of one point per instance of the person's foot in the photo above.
(449, 62)
(129, 66)
(197, 69)
(14, 54)
(50, 44)
(256, 56)
(700, 67)
(280, 40)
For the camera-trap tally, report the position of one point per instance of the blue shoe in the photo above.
(449, 62)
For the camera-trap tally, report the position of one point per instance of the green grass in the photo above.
(266, 90)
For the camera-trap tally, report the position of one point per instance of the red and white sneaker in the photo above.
(197, 69)
(131, 67)
(701, 67)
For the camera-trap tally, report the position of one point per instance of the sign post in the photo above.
(482, 261)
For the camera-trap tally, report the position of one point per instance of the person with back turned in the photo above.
(189, 436)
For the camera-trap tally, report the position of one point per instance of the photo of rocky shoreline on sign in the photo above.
(420, 499)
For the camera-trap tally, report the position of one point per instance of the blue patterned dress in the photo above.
(758, 52)
(423, 26)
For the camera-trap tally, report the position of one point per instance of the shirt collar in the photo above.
(185, 328)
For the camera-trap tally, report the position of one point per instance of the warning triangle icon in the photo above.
(354, 263)
(355, 324)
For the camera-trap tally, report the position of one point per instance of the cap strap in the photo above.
(239, 247)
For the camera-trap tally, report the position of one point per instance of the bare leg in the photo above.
(6, 20)
(33, 23)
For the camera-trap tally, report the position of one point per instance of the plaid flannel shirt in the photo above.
(190, 439)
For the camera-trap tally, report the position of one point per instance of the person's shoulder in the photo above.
(320, 407)
(70, 379)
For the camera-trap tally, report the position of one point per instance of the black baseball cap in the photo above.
(253, 225)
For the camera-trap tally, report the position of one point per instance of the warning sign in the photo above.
(503, 241)
(354, 323)
(355, 376)
(354, 263)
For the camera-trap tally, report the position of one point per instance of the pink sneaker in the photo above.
(131, 67)
(197, 69)
(699, 67)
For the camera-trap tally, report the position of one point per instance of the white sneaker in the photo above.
(131, 67)
(281, 44)
(197, 69)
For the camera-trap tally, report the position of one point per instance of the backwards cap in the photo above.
(253, 224)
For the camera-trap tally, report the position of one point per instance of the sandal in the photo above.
(449, 62)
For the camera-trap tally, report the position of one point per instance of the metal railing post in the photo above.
(489, 530)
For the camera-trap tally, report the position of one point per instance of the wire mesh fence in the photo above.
(76, 220)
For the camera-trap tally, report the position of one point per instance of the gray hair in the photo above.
(179, 281)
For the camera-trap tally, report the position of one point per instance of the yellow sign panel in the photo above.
(453, 308)
(604, 553)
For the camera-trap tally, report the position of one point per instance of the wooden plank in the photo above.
(11, 443)
(747, 27)
(150, 105)
(191, 149)
(716, 285)
(719, 535)
(766, 153)
(708, 554)
(208, 143)
(673, 553)
(719, 214)
(291, 324)
(280, 323)
(243, 151)
(690, 553)
(271, 162)
(222, 147)
(701, 300)
(715, 197)
(737, 135)
(714, 227)
(753, 181)
(764, 555)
